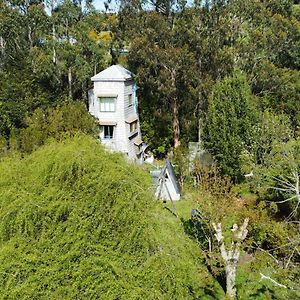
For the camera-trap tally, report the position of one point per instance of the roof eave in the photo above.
(110, 79)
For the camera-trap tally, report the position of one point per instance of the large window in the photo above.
(107, 104)
(107, 132)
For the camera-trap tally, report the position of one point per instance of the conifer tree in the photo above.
(229, 126)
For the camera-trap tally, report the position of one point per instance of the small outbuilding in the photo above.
(165, 183)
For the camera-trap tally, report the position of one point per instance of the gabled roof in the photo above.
(160, 177)
(172, 175)
(113, 73)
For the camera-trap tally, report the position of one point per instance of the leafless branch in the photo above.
(265, 251)
(272, 280)
(283, 201)
(289, 259)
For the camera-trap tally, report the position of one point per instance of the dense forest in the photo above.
(78, 222)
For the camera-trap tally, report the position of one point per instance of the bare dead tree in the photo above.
(289, 185)
(231, 256)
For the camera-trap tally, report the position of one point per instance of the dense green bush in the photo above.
(77, 223)
(229, 127)
(58, 122)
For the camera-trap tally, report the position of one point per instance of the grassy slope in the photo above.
(181, 255)
(78, 223)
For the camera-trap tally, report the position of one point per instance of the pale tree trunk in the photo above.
(2, 46)
(30, 36)
(175, 111)
(70, 82)
(199, 130)
(84, 94)
(54, 42)
(52, 4)
(176, 128)
(231, 256)
(230, 271)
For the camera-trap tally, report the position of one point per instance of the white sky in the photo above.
(99, 4)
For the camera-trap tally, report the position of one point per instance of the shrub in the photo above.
(63, 120)
(76, 223)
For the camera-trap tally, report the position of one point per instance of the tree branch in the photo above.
(272, 280)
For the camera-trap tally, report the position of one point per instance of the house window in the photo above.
(130, 100)
(107, 104)
(107, 132)
(133, 127)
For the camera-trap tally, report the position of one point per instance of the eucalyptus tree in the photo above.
(163, 63)
(268, 51)
(22, 29)
(45, 57)
(74, 46)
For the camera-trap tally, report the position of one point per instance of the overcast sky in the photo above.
(99, 4)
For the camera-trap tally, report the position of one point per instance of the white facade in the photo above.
(166, 183)
(166, 189)
(113, 102)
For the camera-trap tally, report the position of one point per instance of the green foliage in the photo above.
(67, 231)
(268, 249)
(165, 69)
(277, 177)
(181, 164)
(59, 122)
(279, 89)
(19, 95)
(229, 127)
(210, 181)
(78, 222)
(270, 129)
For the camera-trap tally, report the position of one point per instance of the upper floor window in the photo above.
(130, 100)
(133, 126)
(107, 104)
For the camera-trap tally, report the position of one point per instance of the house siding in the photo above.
(123, 140)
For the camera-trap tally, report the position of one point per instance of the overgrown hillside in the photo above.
(80, 223)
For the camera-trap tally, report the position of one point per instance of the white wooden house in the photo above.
(113, 101)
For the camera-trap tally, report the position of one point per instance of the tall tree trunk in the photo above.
(2, 46)
(30, 36)
(84, 93)
(54, 42)
(175, 111)
(176, 128)
(199, 130)
(70, 82)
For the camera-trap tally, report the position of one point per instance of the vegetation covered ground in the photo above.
(78, 222)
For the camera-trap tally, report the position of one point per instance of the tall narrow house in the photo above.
(113, 102)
